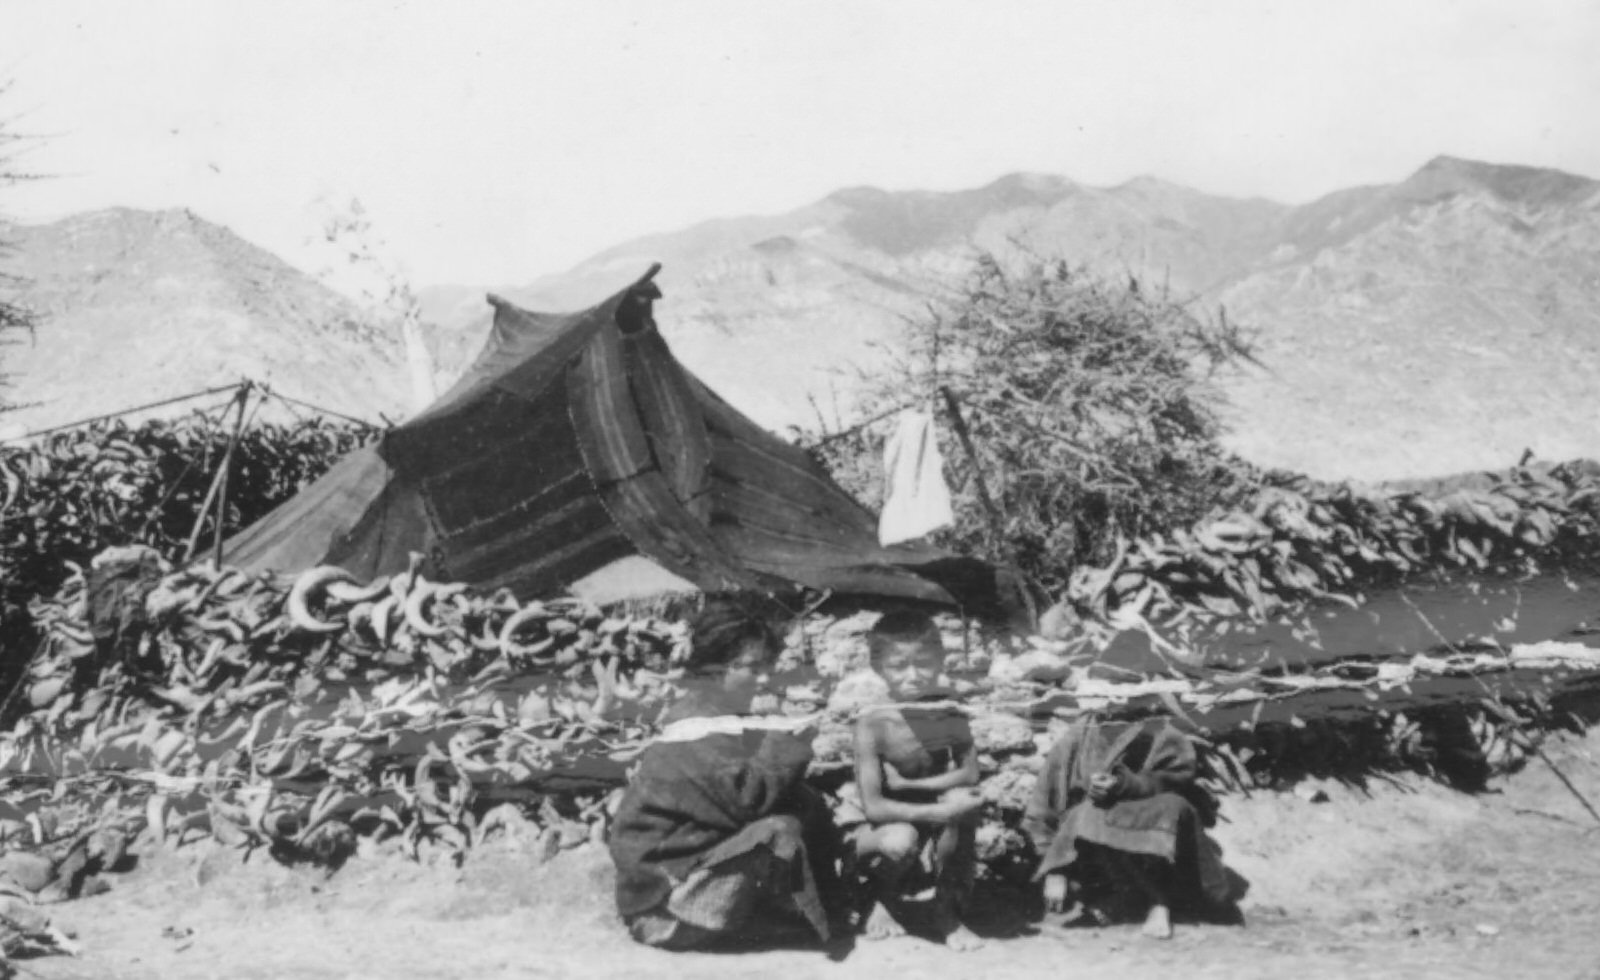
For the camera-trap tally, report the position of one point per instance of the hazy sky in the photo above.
(492, 142)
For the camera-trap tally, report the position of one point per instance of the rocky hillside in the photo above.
(1444, 323)
(138, 306)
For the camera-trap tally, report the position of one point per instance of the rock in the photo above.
(1005, 670)
(1485, 929)
(30, 872)
(23, 914)
(1310, 792)
(1059, 622)
(226, 831)
(1032, 762)
(19, 939)
(1043, 666)
(549, 844)
(978, 660)
(1009, 789)
(331, 843)
(108, 846)
(835, 742)
(765, 704)
(368, 847)
(67, 875)
(857, 690)
(843, 646)
(508, 819)
(995, 840)
(573, 833)
(998, 732)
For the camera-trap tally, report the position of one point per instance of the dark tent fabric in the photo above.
(577, 445)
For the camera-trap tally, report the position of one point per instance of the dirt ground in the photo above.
(1400, 878)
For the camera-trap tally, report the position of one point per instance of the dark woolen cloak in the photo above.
(1157, 809)
(691, 801)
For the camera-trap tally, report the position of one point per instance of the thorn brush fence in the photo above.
(304, 719)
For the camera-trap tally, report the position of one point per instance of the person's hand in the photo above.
(806, 729)
(1103, 786)
(1055, 893)
(960, 802)
(892, 780)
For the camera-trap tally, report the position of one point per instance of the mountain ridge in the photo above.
(1378, 326)
(1440, 323)
(208, 308)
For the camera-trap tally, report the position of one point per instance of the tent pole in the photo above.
(227, 464)
(205, 505)
(996, 523)
(200, 519)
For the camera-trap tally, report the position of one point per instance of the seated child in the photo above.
(1118, 802)
(916, 776)
(717, 838)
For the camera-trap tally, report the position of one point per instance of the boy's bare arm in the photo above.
(876, 803)
(963, 772)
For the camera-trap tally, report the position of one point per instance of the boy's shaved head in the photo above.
(905, 626)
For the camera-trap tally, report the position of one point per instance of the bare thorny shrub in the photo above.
(366, 268)
(1091, 406)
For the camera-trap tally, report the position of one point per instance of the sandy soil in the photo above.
(1399, 878)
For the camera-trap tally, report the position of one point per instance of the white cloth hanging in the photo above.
(917, 501)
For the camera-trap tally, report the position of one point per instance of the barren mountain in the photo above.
(1443, 323)
(139, 306)
(777, 311)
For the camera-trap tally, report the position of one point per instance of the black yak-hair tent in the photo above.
(577, 454)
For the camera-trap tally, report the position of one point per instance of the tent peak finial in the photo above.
(645, 289)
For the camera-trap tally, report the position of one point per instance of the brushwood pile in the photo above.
(317, 718)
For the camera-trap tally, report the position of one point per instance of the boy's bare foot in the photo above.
(1158, 924)
(881, 925)
(1071, 915)
(963, 940)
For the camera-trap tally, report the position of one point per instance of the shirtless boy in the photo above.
(916, 773)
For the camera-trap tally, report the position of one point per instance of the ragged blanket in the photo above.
(1156, 809)
(691, 797)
